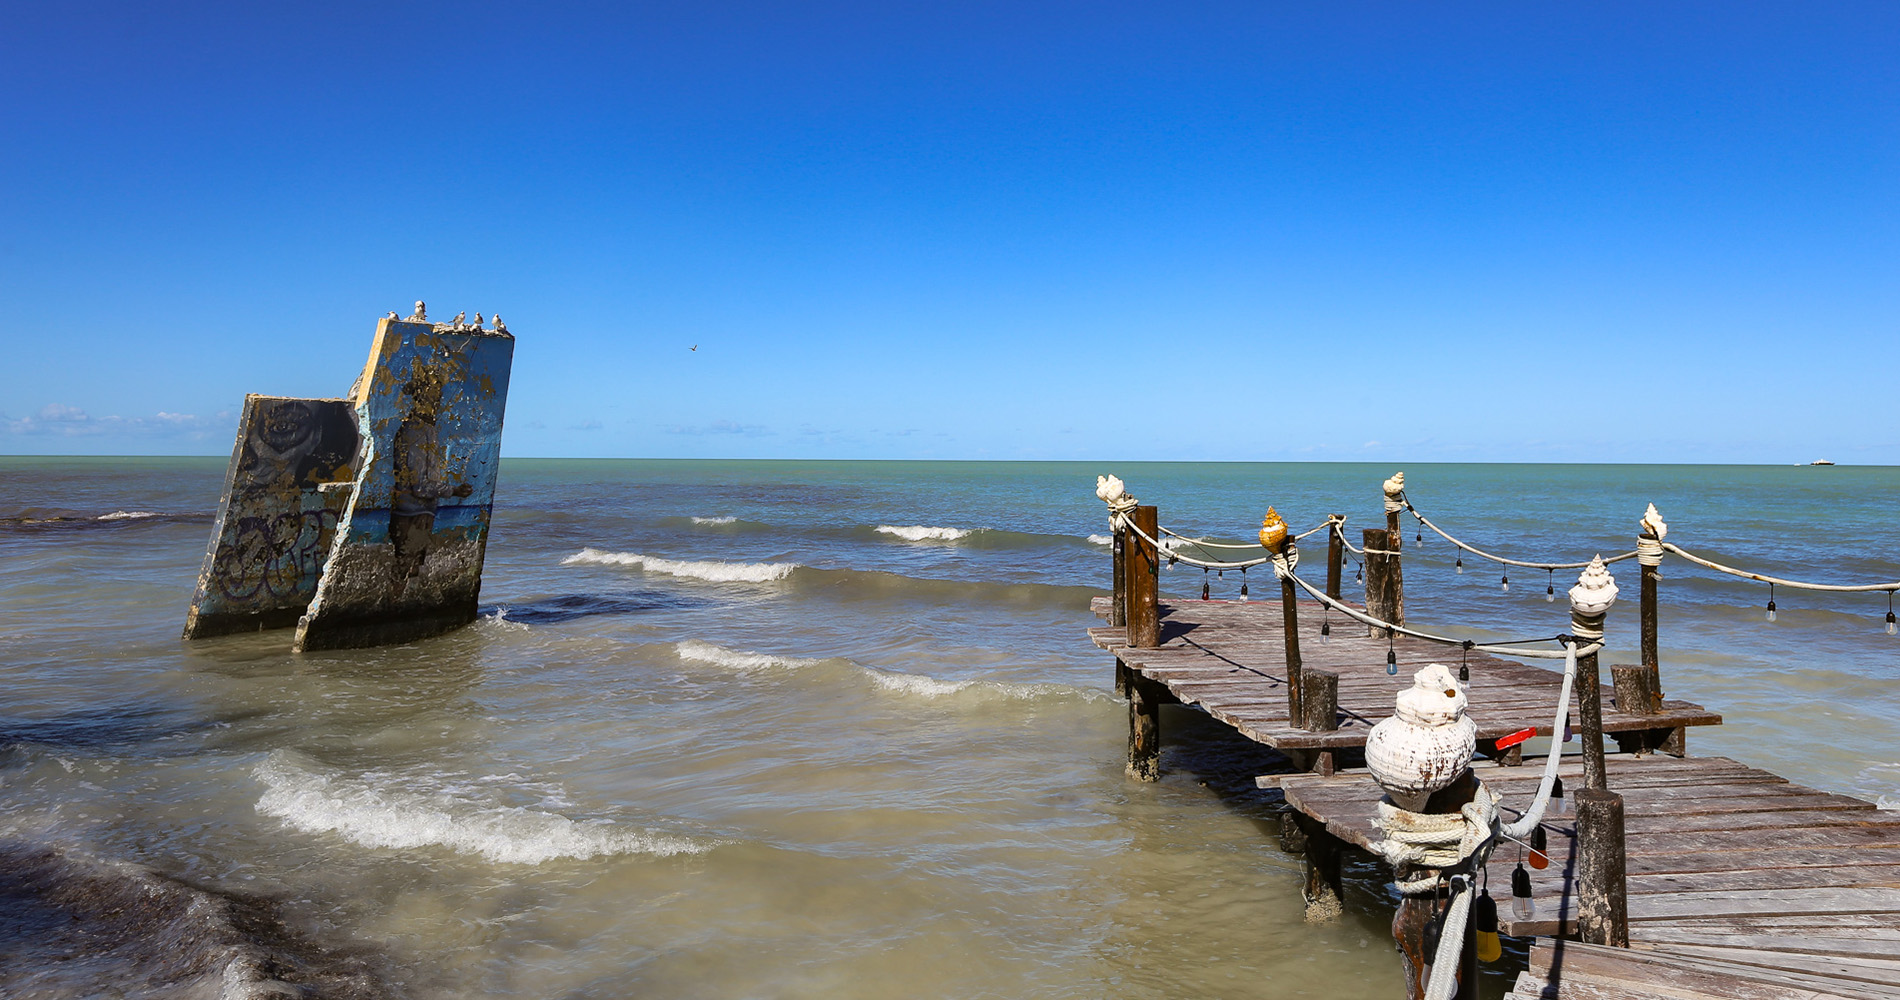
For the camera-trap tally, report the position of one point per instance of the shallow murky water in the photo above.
(775, 729)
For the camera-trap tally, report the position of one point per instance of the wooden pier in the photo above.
(1739, 883)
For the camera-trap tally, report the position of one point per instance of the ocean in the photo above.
(798, 729)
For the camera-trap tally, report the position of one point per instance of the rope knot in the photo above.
(1434, 840)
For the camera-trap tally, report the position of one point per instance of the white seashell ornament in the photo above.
(1394, 486)
(1426, 744)
(1595, 590)
(1109, 488)
(1652, 523)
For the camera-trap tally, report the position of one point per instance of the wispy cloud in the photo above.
(61, 420)
(723, 427)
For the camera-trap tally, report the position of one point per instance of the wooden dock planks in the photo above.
(1227, 658)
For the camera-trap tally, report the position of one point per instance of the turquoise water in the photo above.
(734, 729)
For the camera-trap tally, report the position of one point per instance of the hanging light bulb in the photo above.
(1558, 806)
(1391, 661)
(1464, 665)
(1243, 583)
(1523, 907)
(1771, 602)
(1891, 630)
(1358, 572)
(1550, 587)
(1484, 921)
(1172, 559)
(1461, 561)
(1203, 583)
(1326, 624)
(1540, 849)
(1507, 581)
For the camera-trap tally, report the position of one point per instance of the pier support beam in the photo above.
(1323, 852)
(1335, 556)
(1118, 604)
(1145, 698)
(1385, 585)
(1295, 667)
(1141, 568)
(1649, 553)
(1602, 888)
(1416, 912)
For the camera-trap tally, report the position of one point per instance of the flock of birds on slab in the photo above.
(459, 323)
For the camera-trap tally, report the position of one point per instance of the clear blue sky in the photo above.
(1409, 232)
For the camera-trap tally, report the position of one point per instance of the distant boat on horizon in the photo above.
(1820, 461)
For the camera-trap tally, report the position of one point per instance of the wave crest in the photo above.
(377, 810)
(708, 569)
(715, 520)
(925, 532)
(914, 685)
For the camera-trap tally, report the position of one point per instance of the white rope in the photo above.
(1174, 553)
(1205, 544)
(1422, 519)
(1354, 613)
(1649, 551)
(1777, 581)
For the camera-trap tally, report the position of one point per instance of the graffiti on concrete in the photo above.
(407, 557)
(279, 513)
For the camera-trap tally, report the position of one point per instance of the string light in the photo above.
(1464, 665)
(1461, 561)
(1558, 806)
(1550, 587)
(1326, 623)
(1172, 559)
(1540, 849)
(1391, 656)
(1507, 581)
(1523, 907)
(1243, 583)
(1203, 583)
(1891, 630)
(1771, 602)
(1484, 921)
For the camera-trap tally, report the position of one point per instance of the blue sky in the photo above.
(1247, 231)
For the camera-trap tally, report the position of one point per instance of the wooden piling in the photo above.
(1335, 556)
(1385, 587)
(1323, 850)
(1118, 604)
(1634, 696)
(1290, 617)
(1670, 740)
(1415, 912)
(1602, 890)
(1319, 701)
(1145, 698)
(1141, 569)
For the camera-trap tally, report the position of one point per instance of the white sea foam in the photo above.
(499, 620)
(124, 515)
(717, 572)
(1102, 539)
(733, 659)
(925, 533)
(714, 520)
(384, 810)
(914, 685)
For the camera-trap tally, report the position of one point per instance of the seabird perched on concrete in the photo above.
(422, 315)
(457, 321)
(500, 327)
(478, 321)
(392, 315)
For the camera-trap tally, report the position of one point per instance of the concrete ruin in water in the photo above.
(364, 520)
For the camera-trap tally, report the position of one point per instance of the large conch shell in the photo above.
(1652, 523)
(1426, 744)
(1109, 488)
(1273, 531)
(1595, 590)
(1394, 486)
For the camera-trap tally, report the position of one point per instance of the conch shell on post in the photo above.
(1394, 486)
(1595, 590)
(1109, 488)
(1273, 532)
(1652, 524)
(1427, 743)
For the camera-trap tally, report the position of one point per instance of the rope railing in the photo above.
(1202, 543)
(1474, 550)
(1857, 588)
(1502, 648)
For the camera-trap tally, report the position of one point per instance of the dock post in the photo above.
(1323, 853)
(1590, 600)
(1649, 553)
(1275, 538)
(1385, 599)
(1118, 605)
(1319, 713)
(1141, 565)
(1335, 555)
(1634, 696)
(1394, 490)
(1145, 697)
(1602, 888)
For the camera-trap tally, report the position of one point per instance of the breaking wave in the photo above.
(915, 685)
(925, 533)
(711, 570)
(382, 809)
(715, 520)
(1101, 539)
(126, 515)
